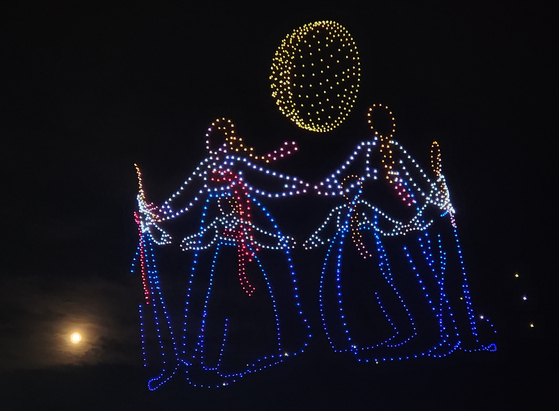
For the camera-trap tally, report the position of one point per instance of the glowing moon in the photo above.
(76, 338)
(315, 76)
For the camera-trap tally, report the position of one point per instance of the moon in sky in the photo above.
(76, 338)
(315, 76)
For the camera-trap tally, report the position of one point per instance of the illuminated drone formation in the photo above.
(392, 286)
(425, 239)
(229, 202)
(315, 76)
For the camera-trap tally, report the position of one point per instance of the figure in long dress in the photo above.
(359, 305)
(249, 317)
(244, 326)
(154, 319)
(419, 255)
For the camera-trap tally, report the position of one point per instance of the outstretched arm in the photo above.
(271, 241)
(267, 183)
(189, 193)
(358, 162)
(375, 219)
(196, 242)
(320, 236)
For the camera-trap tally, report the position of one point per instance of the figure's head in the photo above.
(219, 135)
(229, 206)
(351, 187)
(436, 164)
(225, 205)
(381, 121)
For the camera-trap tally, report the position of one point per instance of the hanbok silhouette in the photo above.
(416, 249)
(359, 305)
(243, 312)
(162, 349)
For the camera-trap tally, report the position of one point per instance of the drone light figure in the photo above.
(350, 295)
(229, 204)
(150, 234)
(418, 255)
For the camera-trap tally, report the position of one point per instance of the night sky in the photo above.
(87, 91)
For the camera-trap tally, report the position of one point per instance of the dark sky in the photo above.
(87, 91)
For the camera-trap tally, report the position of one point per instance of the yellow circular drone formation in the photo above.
(315, 76)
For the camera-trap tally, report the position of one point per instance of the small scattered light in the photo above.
(517, 275)
(524, 298)
(532, 325)
(481, 317)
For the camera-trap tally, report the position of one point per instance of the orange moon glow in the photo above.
(76, 338)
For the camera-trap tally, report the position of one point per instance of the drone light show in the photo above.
(392, 286)
(315, 76)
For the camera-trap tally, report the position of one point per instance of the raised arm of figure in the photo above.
(374, 219)
(203, 239)
(327, 230)
(359, 162)
(271, 241)
(190, 192)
